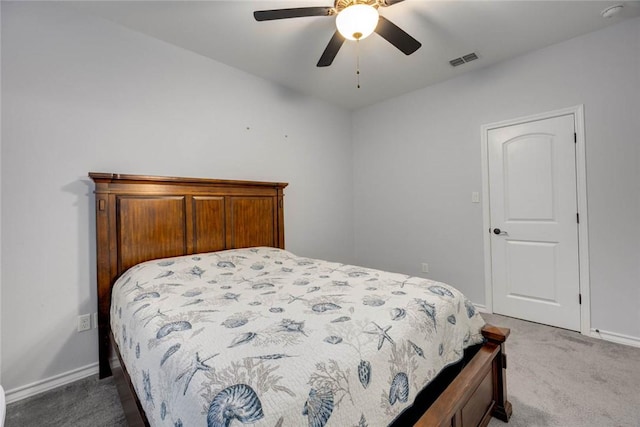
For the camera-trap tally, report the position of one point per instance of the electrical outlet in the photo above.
(84, 322)
(95, 320)
(425, 267)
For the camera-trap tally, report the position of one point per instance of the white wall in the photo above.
(81, 94)
(415, 169)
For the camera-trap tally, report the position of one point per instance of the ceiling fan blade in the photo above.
(298, 12)
(331, 50)
(396, 36)
(390, 2)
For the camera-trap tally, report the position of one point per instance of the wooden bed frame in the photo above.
(139, 218)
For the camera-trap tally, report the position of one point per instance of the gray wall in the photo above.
(414, 171)
(81, 94)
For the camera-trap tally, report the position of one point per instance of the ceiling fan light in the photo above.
(357, 22)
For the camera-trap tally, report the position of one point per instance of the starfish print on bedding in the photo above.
(157, 314)
(198, 366)
(137, 287)
(382, 334)
(403, 282)
(293, 298)
(333, 270)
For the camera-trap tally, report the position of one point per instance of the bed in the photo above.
(324, 336)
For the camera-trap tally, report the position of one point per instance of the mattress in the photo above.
(263, 337)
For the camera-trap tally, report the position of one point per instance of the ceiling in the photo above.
(286, 51)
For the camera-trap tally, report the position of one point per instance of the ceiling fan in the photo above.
(355, 20)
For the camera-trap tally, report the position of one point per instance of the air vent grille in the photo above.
(464, 59)
(470, 57)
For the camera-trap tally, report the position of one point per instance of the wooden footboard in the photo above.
(478, 392)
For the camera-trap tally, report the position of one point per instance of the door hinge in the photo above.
(580, 299)
(578, 217)
(575, 138)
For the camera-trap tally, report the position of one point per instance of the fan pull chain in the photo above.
(358, 63)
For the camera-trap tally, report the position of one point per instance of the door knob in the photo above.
(498, 231)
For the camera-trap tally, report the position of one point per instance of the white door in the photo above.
(534, 224)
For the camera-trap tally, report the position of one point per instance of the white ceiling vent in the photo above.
(464, 59)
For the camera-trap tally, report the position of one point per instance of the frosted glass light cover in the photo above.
(357, 22)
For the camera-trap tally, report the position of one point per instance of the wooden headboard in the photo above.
(139, 218)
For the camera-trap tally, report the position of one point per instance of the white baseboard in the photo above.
(50, 383)
(481, 308)
(604, 335)
(615, 337)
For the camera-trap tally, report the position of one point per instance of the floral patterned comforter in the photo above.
(262, 337)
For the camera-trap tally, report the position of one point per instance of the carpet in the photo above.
(557, 377)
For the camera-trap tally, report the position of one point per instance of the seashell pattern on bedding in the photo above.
(262, 337)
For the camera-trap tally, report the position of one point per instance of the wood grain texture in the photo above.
(495, 334)
(480, 403)
(209, 231)
(150, 228)
(253, 221)
(139, 218)
(478, 392)
(502, 408)
(447, 410)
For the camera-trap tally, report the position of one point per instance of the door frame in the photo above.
(581, 193)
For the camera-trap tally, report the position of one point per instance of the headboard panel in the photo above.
(139, 218)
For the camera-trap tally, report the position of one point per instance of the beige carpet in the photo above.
(555, 378)
(561, 378)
